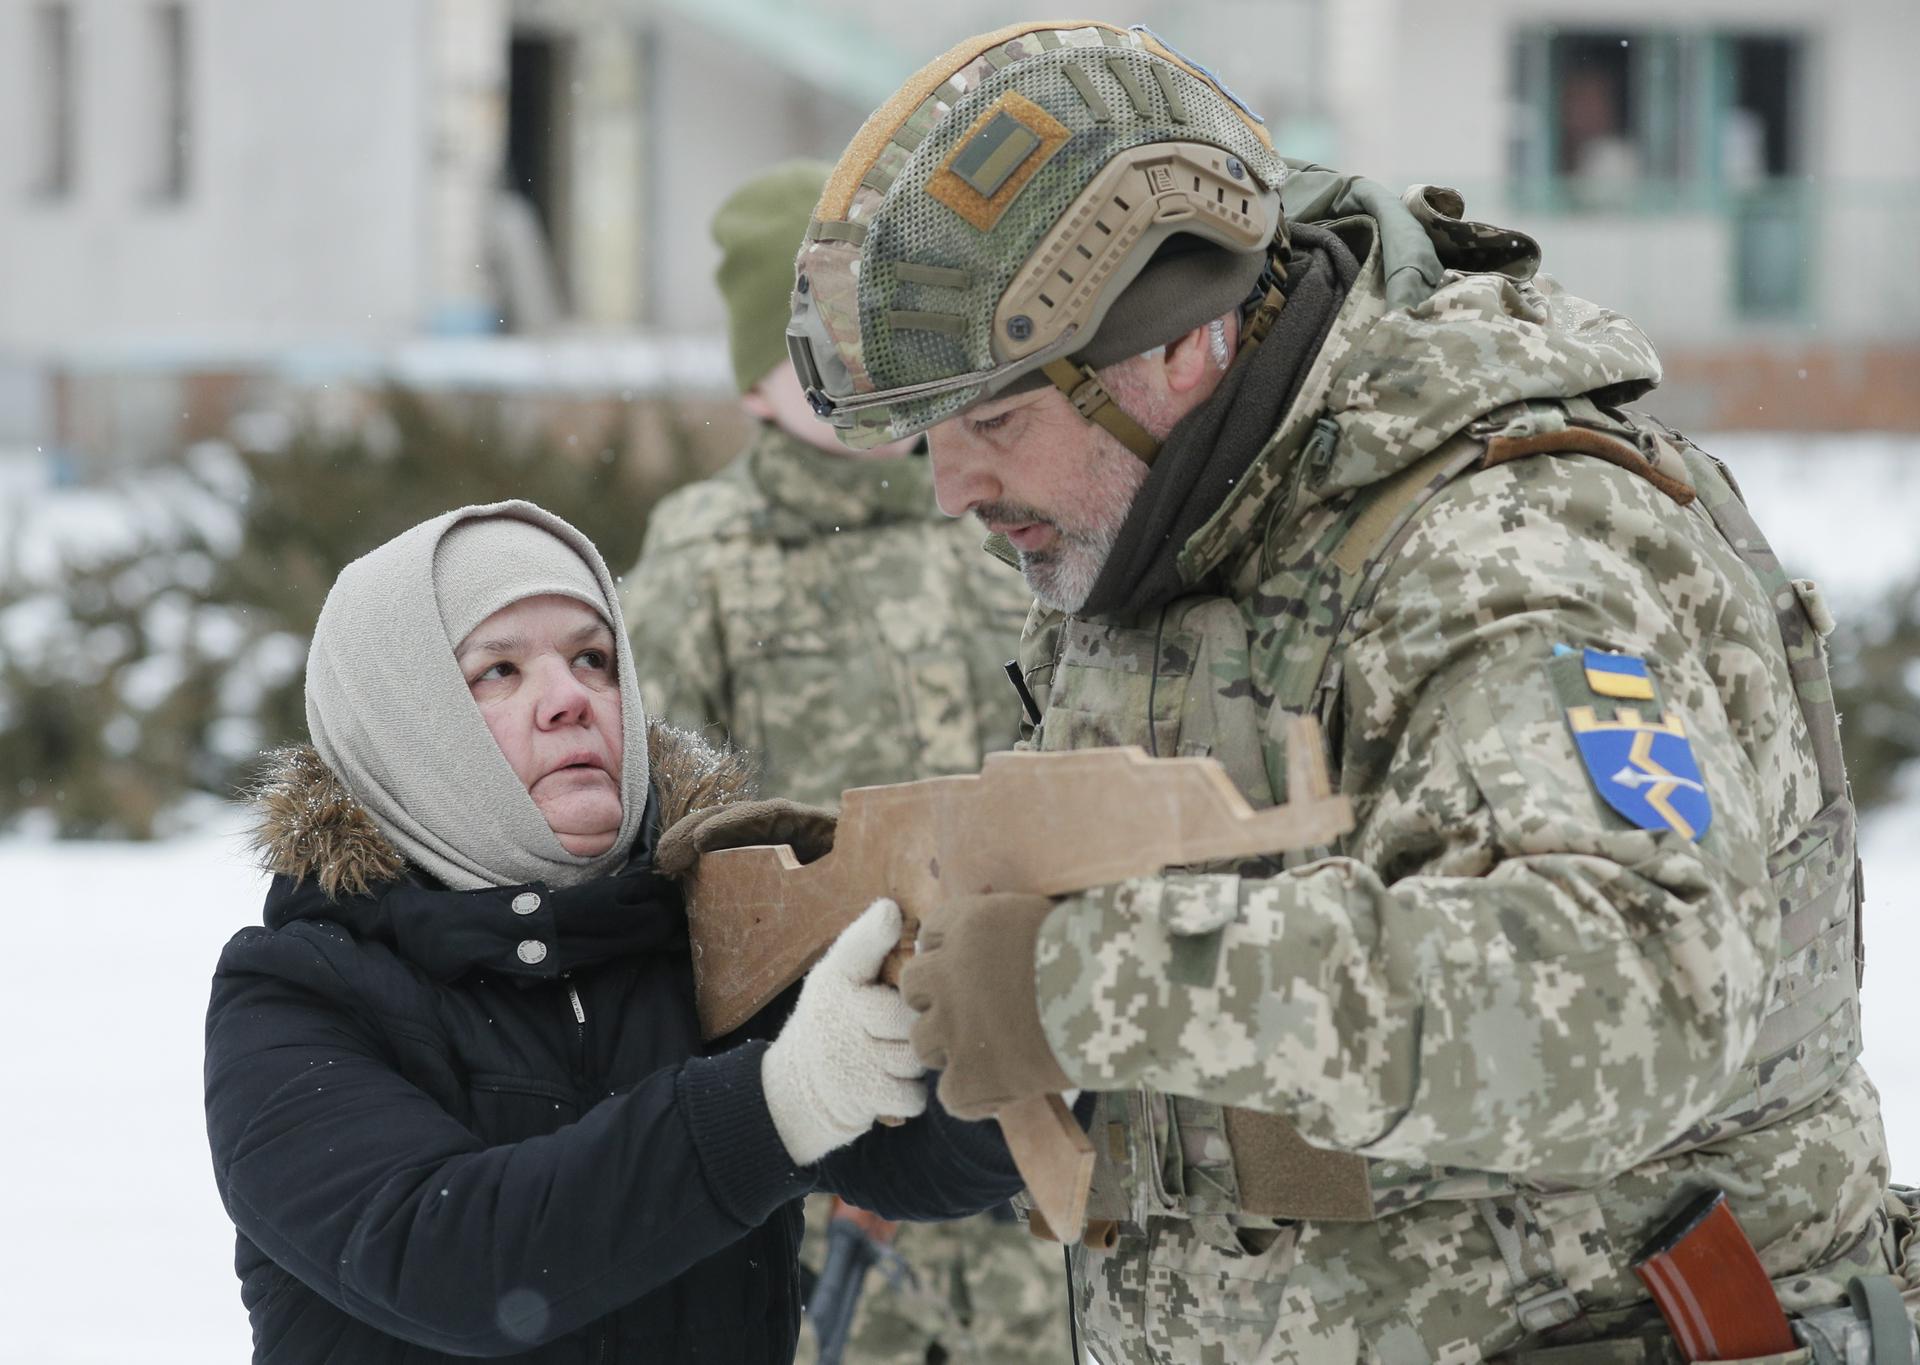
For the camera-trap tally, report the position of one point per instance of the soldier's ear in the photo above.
(756, 402)
(1198, 357)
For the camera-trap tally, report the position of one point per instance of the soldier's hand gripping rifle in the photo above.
(1050, 824)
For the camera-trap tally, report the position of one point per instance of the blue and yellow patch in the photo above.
(1641, 763)
(1620, 676)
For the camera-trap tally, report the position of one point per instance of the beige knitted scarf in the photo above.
(391, 714)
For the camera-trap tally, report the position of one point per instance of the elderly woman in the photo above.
(457, 1098)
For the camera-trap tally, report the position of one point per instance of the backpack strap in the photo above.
(1580, 440)
(1384, 514)
(1804, 622)
(1383, 517)
(1366, 541)
(1802, 619)
(1679, 469)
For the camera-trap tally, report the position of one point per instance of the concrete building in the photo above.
(1742, 177)
(199, 197)
(195, 194)
(202, 197)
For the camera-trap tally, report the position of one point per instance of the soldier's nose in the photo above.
(962, 480)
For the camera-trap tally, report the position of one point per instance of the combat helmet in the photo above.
(989, 226)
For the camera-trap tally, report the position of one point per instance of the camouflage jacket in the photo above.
(1535, 1018)
(820, 612)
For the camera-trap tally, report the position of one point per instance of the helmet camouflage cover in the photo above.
(984, 220)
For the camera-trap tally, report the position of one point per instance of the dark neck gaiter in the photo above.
(1207, 454)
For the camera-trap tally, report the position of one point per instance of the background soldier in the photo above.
(814, 607)
(1592, 945)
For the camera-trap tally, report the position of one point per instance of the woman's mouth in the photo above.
(578, 767)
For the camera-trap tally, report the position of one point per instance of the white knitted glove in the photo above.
(843, 1060)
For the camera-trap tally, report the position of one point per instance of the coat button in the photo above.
(526, 903)
(532, 951)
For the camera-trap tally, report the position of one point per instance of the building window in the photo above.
(1672, 121)
(166, 125)
(1601, 117)
(1653, 118)
(1594, 113)
(1763, 121)
(1761, 165)
(51, 102)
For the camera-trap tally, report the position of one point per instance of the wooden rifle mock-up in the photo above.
(1046, 823)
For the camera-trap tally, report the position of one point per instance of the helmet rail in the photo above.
(983, 227)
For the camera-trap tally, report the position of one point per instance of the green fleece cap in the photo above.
(758, 230)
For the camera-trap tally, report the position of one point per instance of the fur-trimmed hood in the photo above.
(451, 1100)
(311, 827)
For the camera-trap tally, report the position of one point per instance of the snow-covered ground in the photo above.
(113, 1245)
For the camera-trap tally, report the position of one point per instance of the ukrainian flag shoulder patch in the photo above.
(1620, 676)
(1641, 762)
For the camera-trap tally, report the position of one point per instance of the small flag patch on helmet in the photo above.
(996, 158)
(994, 153)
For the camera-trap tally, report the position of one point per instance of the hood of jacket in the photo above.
(331, 862)
(813, 492)
(1390, 385)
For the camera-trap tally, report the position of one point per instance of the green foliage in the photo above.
(161, 669)
(164, 667)
(1876, 684)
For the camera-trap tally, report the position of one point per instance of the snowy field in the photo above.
(113, 1245)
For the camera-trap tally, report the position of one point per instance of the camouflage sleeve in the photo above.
(673, 625)
(1505, 976)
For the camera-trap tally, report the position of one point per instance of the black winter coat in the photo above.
(432, 1147)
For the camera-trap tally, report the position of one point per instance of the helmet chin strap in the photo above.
(1092, 401)
(1273, 298)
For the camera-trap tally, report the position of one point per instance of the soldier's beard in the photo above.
(1062, 575)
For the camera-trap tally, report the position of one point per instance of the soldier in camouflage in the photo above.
(810, 604)
(1267, 441)
(813, 608)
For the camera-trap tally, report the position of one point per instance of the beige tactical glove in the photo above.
(972, 981)
(809, 829)
(843, 1060)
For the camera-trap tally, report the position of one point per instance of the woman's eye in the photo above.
(984, 424)
(596, 659)
(495, 673)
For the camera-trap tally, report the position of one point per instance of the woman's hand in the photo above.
(807, 829)
(844, 1060)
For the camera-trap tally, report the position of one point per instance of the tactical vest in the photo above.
(1116, 681)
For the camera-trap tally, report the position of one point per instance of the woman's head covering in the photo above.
(391, 715)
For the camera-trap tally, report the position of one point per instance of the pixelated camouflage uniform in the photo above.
(1539, 1024)
(974, 1292)
(818, 611)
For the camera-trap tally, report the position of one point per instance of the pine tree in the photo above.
(165, 667)
(1876, 685)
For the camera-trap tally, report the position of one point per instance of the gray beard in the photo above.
(1062, 578)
